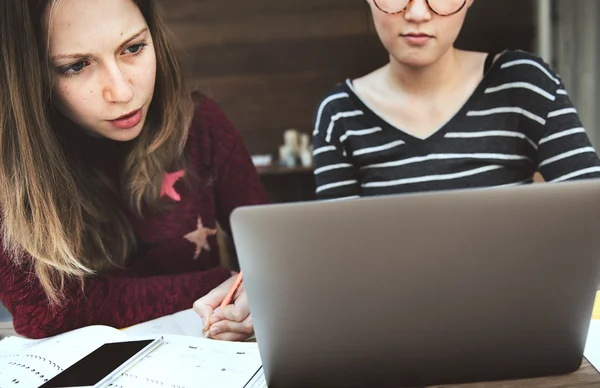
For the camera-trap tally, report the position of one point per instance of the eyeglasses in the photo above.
(439, 7)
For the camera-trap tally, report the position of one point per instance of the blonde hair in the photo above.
(63, 216)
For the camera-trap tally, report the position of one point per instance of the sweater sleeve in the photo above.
(118, 300)
(335, 175)
(564, 151)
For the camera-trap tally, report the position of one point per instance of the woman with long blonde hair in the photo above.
(112, 177)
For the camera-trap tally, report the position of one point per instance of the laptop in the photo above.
(422, 289)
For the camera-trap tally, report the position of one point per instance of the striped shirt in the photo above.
(519, 120)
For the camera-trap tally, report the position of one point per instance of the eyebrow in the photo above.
(87, 55)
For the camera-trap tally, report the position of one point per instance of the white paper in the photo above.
(185, 362)
(185, 322)
(592, 345)
(15, 345)
(259, 380)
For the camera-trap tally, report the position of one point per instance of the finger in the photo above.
(231, 337)
(246, 327)
(222, 289)
(241, 290)
(204, 310)
(237, 312)
(205, 306)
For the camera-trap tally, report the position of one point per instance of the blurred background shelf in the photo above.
(282, 170)
(288, 184)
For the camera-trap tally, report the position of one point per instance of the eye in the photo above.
(74, 69)
(135, 48)
(77, 67)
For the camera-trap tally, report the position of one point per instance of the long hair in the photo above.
(63, 216)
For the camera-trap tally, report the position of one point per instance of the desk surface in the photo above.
(586, 376)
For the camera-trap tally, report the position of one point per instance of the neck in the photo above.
(425, 80)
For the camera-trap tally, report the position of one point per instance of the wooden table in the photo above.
(586, 376)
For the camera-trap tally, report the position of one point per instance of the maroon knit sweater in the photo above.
(177, 260)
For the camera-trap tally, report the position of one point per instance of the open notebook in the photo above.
(592, 345)
(185, 359)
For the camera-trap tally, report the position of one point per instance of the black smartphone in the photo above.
(103, 365)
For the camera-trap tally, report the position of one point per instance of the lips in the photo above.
(414, 35)
(128, 120)
(417, 39)
(125, 115)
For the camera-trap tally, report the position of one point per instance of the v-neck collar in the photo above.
(373, 114)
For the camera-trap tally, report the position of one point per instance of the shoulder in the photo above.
(210, 117)
(516, 57)
(212, 136)
(334, 95)
(337, 99)
(523, 66)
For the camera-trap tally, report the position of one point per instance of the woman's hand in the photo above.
(230, 323)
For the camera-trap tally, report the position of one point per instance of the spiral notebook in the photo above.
(185, 359)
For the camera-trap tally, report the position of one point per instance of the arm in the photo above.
(236, 184)
(335, 175)
(564, 150)
(113, 300)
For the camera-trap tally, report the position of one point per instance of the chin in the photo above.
(124, 135)
(416, 58)
(415, 62)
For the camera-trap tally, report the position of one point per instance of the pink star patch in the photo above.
(168, 182)
(199, 237)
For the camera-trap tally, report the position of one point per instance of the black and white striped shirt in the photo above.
(518, 121)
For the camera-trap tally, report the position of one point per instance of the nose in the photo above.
(117, 88)
(417, 11)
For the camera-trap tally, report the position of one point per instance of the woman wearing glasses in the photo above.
(437, 118)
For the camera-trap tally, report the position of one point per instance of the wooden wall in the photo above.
(268, 62)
